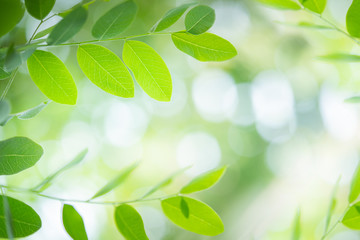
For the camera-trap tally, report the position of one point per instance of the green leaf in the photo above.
(15, 58)
(184, 208)
(68, 27)
(46, 182)
(204, 181)
(73, 223)
(353, 19)
(204, 47)
(32, 112)
(129, 223)
(11, 12)
(8, 218)
(3, 73)
(4, 110)
(351, 218)
(355, 185)
(105, 70)
(115, 21)
(170, 18)
(202, 219)
(354, 99)
(282, 4)
(306, 25)
(296, 227)
(43, 33)
(317, 6)
(116, 181)
(52, 77)
(18, 154)
(149, 69)
(332, 206)
(24, 220)
(39, 8)
(199, 19)
(7, 119)
(340, 57)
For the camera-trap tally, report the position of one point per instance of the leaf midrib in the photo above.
(197, 22)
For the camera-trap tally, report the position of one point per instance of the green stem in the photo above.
(30, 191)
(36, 29)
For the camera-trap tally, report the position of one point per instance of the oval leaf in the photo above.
(32, 112)
(39, 8)
(282, 4)
(129, 223)
(204, 47)
(24, 220)
(68, 27)
(18, 154)
(149, 69)
(170, 18)
(73, 223)
(199, 19)
(204, 181)
(351, 218)
(43, 33)
(317, 6)
(353, 19)
(52, 77)
(340, 57)
(201, 218)
(115, 21)
(105, 70)
(11, 12)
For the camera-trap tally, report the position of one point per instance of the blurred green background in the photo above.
(275, 114)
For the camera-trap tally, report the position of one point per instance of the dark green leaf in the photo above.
(68, 27)
(18, 154)
(202, 219)
(116, 181)
(115, 21)
(204, 47)
(282, 4)
(39, 8)
(351, 218)
(317, 6)
(184, 208)
(52, 77)
(73, 223)
(24, 220)
(199, 19)
(11, 12)
(43, 33)
(353, 19)
(129, 223)
(340, 57)
(105, 70)
(149, 69)
(4, 110)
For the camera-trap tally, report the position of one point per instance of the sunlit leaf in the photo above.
(351, 218)
(11, 12)
(317, 6)
(43, 33)
(105, 70)
(52, 77)
(199, 19)
(184, 207)
(355, 185)
(202, 219)
(73, 223)
(68, 27)
(46, 182)
(282, 4)
(24, 220)
(296, 227)
(306, 25)
(4, 110)
(120, 178)
(170, 18)
(340, 57)
(149, 69)
(129, 223)
(115, 21)
(204, 47)
(353, 19)
(39, 8)
(18, 154)
(204, 181)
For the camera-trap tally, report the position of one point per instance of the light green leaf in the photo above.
(296, 227)
(354, 99)
(282, 4)
(353, 19)
(115, 21)
(204, 181)
(120, 178)
(199, 19)
(355, 185)
(24, 220)
(73, 223)
(170, 18)
(149, 69)
(18, 154)
(202, 219)
(4, 110)
(68, 27)
(307, 25)
(46, 182)
(43, 33)
(204, 47)
(52, 77)
(32, 112)
(340, 57)
(317, 6)
(331, 208)
(129, 223)
(39, 8)
(105, 70)
(351, 218)
(11, 12)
